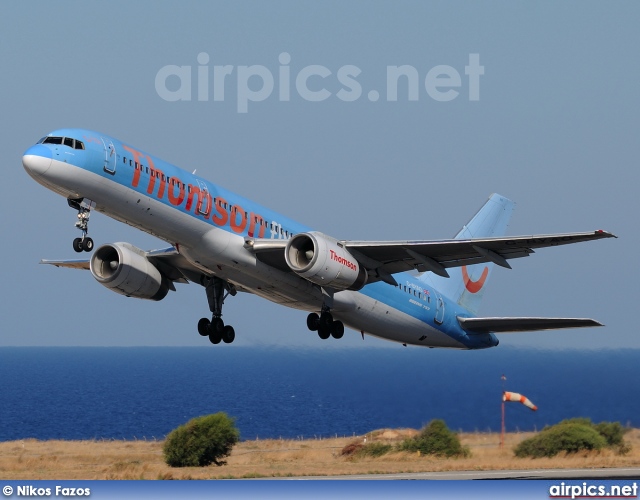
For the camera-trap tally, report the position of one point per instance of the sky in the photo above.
(550, 121)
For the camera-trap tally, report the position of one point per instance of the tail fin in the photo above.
(466, 284)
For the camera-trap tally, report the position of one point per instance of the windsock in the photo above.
(514, 396)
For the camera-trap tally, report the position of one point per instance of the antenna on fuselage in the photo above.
(194, 171)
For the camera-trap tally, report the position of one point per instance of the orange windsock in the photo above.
(514, 396)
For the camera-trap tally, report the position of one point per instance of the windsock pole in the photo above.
(502, 426)
(502, 432)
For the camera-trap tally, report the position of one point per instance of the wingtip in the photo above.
(604, 233)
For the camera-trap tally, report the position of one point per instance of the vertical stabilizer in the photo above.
(467, 283)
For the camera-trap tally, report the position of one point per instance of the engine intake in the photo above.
(322, 260)
(123, 268)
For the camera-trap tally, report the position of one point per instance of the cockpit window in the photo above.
(67, 141)
(52, 140)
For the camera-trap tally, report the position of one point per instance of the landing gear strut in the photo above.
(85, 243)
(325, 325)
(217, 290)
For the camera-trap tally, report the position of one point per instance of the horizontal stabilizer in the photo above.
(506, 325)
(71, 264)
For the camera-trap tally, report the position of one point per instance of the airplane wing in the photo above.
(384, 258)
(169, 262)
(436, 256)
(506, 325)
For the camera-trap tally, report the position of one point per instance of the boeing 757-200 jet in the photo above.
(424, 292)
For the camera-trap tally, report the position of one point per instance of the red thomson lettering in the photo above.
(173, 199)
(253, 220)
(238, 227)
(221, 216)
(137, 155)
(342, 260)
(153, 174)
(202, 196)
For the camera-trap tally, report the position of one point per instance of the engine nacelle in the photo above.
(123, 268)
(321, 260)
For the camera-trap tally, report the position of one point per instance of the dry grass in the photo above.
(32, 459)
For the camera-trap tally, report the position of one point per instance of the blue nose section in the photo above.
(37, 160)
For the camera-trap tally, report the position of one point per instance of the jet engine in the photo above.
(123, 268)
(324, 261)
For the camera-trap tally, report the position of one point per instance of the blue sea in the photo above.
(145, 392)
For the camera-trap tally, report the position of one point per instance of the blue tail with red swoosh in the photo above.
(466, 284)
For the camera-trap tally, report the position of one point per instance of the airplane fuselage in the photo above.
(210, 225)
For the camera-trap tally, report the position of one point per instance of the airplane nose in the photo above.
(37, 159)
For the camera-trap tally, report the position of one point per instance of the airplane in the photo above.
(414, 292)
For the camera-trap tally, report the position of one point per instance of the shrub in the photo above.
(201, 441)
(360, 450)
(613, 432)
(374, 450)
(351, 449)
(568, 436)
(435, 439)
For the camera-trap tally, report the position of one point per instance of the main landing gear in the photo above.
(217, 290)
(325, 325)
(85, 243)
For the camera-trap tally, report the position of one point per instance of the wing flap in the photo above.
(269, 251)
(522, 324)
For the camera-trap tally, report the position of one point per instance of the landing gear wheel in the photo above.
(229, 334)
(324, 332)
(203, 327)
(215, 338)
(87, 244)
(313, 321)
(337, 329)
(326, 319)
(217, 327)
(77, 245)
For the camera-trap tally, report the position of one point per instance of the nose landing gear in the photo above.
(83, 206)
